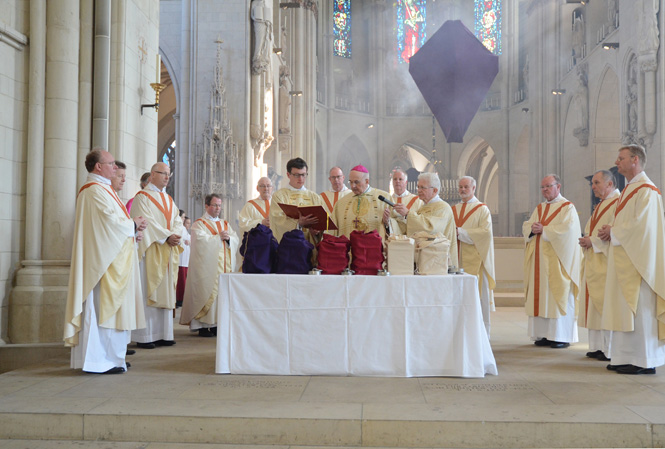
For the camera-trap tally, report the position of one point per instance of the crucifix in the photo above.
(143, 52)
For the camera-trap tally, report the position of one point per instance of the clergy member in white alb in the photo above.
(295, 194)
(159, 253)
(591, 296)
(400, 196)
(337, 189)
(214, 247)
(103, 299)
(552, 261)
(634, 306)
(475, 243)
(257, 210)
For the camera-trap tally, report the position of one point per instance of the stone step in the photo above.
(509, 299)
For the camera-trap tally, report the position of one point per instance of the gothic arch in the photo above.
(479, 161)
(607, 122)
(353, 152)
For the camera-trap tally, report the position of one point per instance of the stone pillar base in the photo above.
(37, 303)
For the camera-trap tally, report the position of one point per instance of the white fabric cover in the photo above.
(401, 252)
(352, 325)
(431, 253)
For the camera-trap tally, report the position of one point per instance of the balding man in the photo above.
(552, 261)
(257, 210)
(634, 307)
(594, 269)
(361, 211)
(475, 243)
(411, 202)
(159, 253)
(104, 285)
(337, 189)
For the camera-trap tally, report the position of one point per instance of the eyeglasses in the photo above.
(423, 188)
(263, 186)
(168, 175)
(548, 186)
(336, 177)
(298, 175)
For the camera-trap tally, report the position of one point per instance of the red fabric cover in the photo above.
(333, 254)
(366, 252)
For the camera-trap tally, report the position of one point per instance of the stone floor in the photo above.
(171, 398)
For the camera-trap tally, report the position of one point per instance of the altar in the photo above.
(392, 326)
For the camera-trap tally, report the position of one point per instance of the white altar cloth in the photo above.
(400, 326)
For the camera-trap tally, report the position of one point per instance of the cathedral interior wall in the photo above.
(13, 150)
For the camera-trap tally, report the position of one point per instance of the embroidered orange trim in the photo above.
(622, 202)
(267, 211)
(110, 192)
(167, 211)
(595, 217)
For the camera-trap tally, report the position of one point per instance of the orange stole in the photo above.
(217, 231)
(166, 210)
(544, 220)
(263, 214)
(111, 192)
(595, 218)
(461, 219)
(327, 201)
(623, 202)
(408, 206)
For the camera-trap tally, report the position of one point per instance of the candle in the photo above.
(159, 69)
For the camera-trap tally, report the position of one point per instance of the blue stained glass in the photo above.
(342, 28)
(411, 15)
(487, 25)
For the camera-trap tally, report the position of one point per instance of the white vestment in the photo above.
(210, 258)
(330, 198)
(159, 262)
(475, 248)
(253, 213)
(102, 301)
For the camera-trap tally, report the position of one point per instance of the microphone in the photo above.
(388, 202)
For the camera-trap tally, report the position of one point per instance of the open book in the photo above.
(325, 223)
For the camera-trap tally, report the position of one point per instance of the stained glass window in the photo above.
(488, 24)
(411, 35)
(342, 28)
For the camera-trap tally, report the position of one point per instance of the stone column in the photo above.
(183, 125)
(102, 76)
(87, 14)
(38, 301)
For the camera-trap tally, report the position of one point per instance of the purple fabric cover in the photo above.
(259, 249)
(294, 255)
(454, 72)
(366, 252)
(333, 254)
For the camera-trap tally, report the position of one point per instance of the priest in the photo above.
(552, 261)
(337, 189)
(103, 304)
(257, 210)
(475, 243)
(295, 194)
(594, 268)
(391, 217)
(214, 247)
(159, 253)
(361, 211)
(634, 307)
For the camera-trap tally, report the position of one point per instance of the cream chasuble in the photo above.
(253, 213)
(397, 221)
(594, 268)
(279, 222)
(476, 258)
(103, 253)
(362, 212)
(639, 227)
(331, 198)
(210, 257)
(435, 217)
(163, 221)
(552, 260)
